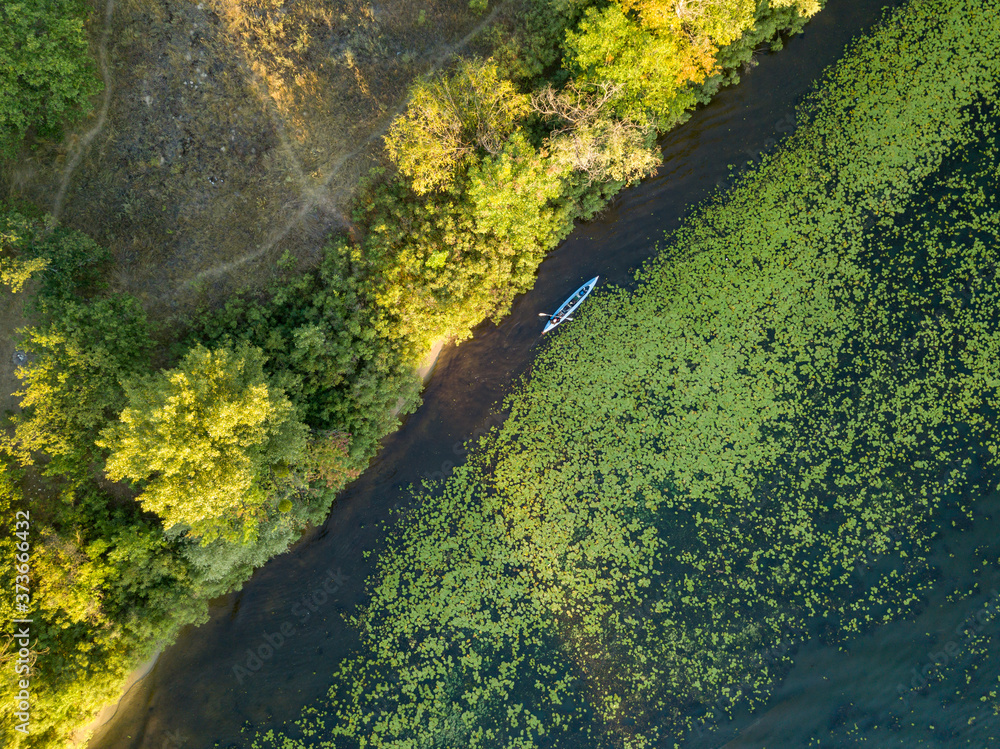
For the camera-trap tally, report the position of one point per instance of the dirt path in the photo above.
(81, 146)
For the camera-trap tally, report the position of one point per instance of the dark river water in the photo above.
(194, 699)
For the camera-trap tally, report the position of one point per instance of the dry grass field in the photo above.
(231, 133)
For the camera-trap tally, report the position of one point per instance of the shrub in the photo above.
(46, 74)
(16, 232)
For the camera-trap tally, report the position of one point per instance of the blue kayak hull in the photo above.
(569, 306)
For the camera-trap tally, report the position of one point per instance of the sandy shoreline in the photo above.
(425, 370)
(427, 367)
(82, 736)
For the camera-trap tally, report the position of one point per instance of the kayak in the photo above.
(569, 306)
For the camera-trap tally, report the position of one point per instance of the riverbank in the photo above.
(426, 368)
(81, 737)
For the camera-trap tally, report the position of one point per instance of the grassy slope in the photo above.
(234, 132)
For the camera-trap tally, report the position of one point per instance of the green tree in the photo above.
(665, 56)
(652, 68)
(716, 21)
(73, 387)
(589, 140)
(46, 72)
(659, 52)
(324, 351)
(448, 118)
(447, 261)
(203, 438)
(75, 268)
(511, 195)
(16, 232)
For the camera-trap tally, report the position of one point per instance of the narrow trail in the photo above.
(81, 146)
(311, 197)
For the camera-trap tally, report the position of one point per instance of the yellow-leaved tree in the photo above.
(656, 52)
(202, 440)
(448, 118)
